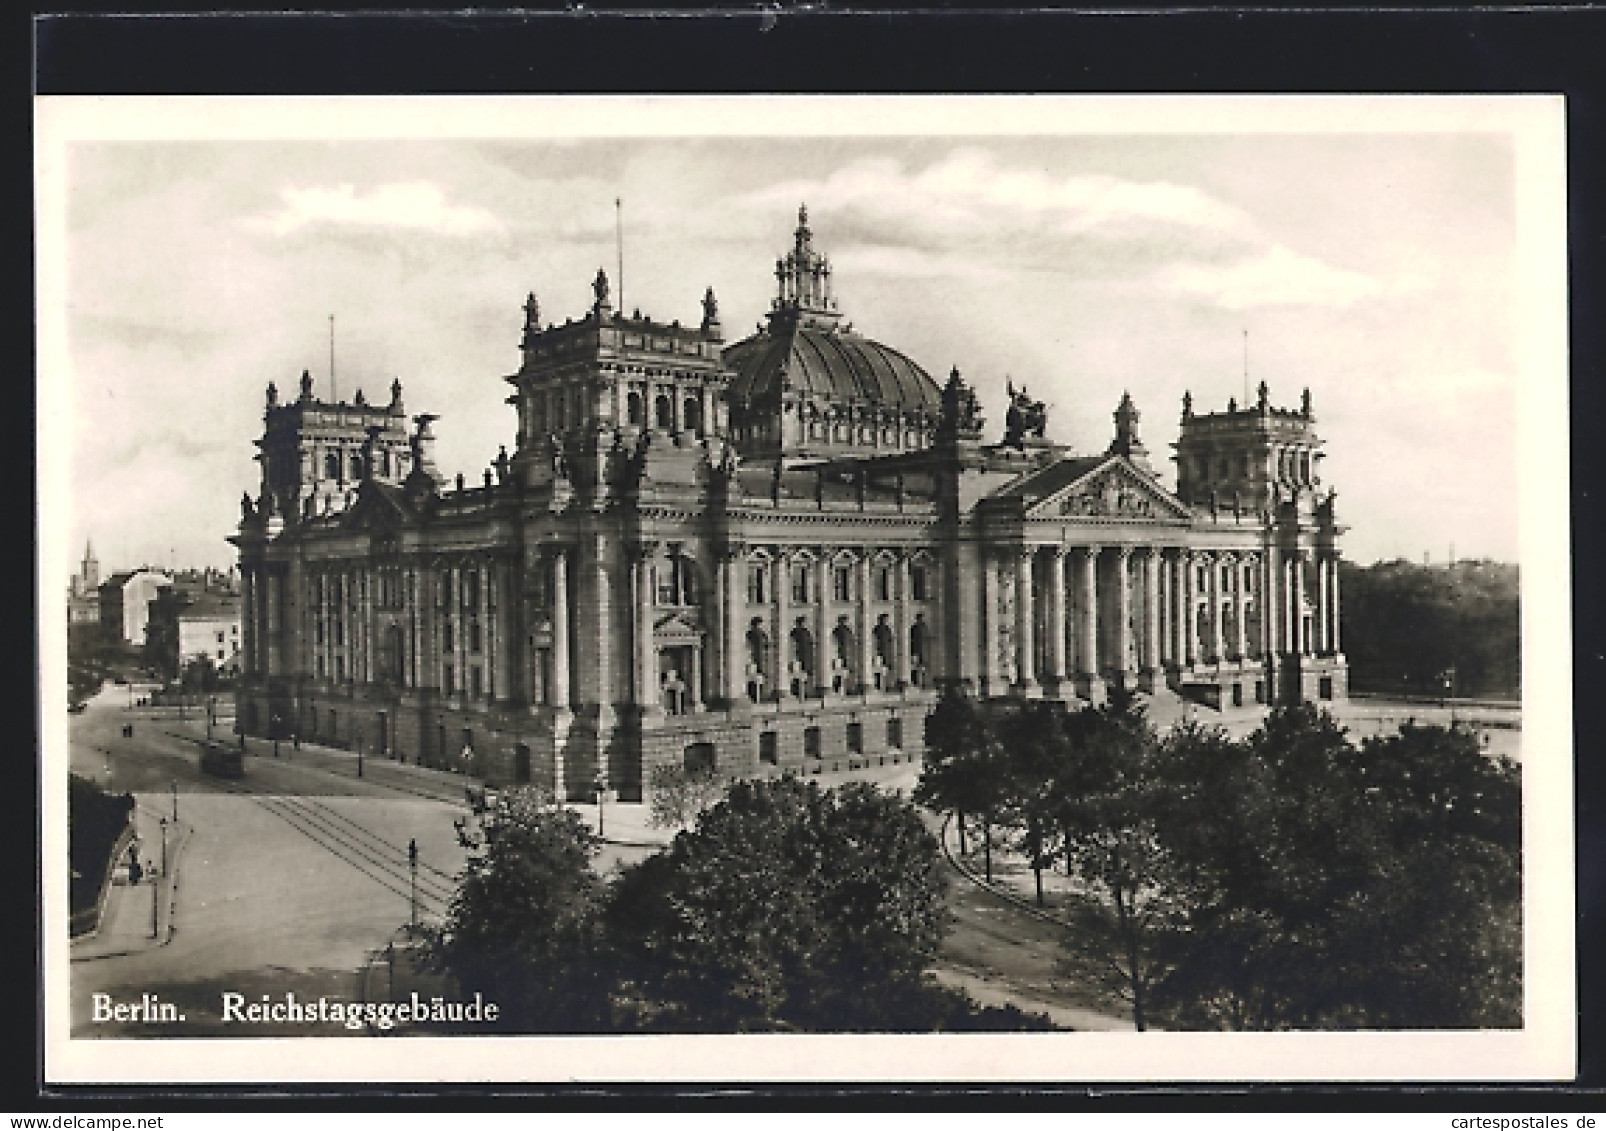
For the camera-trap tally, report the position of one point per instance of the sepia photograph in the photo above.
(804, 588)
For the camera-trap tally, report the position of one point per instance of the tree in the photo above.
(1109, 794)
(964, 771)
(524, 928)
(1033, 738)
(1336, 886)
(679, 794)
(787, 906)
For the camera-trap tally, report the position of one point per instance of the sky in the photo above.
(1378, 269)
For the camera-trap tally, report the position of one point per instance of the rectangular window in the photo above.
(474, 686)
(757, 585)
(340, 669)
(767, 747)
(448, 679)
(448, 643)
(855, 739)
(811, 742)
(895, 734)
(473, 636)
(800, 584)
(917, 583)
(842, 583)
(1324, 688)
(883, 584)
(471, 588)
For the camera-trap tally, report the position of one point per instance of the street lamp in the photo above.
(163, 823)
(175, 801)
(601, 787)
(358, 741)
(412, 868)
(274, 723)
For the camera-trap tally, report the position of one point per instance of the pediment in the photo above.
(376, 512)
(677, 625)
(1112, 490)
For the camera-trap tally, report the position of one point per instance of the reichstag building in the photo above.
(761, 556)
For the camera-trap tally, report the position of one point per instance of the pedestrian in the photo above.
(135, 872)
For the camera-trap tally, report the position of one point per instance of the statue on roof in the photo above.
(710, 313)
(306, 385)
(599, 287)
(1025, 417)
(961, 412)
(532, 311)
(273, 395)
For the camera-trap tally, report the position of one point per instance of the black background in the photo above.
(823, 50)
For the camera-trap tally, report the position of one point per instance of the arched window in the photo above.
(757, 583)
(758, 652)
(635, 411)
(664, 412)
(842, 673)
(675, 582)
(883, 652)
(691, 413)
(356, 467)
(917, 653)
(331, 466)
(802, 665)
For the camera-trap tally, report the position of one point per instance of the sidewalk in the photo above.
(139, 918)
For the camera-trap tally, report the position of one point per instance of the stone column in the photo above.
(822, 623)
(1190, 621)
(1123, 615)
(1054, 625)
(731, 604)
(866, 622)
(1176, 619)
(902, 624)
(644, 682)
(1218, 629)
(1296, 602)
(559, 692)
(1271, 604)
(782, 579)
(989, 625)
(1239, 607)
(1336, 645)
(271, 584)
(1088, 610)
(1025, 618)
(1151, 618)
(248, 621)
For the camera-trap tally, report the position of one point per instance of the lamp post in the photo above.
(175, 801)
(359, 752)
(412, 869)
(273, 722)
(211, 715)
(163, 823)
(602, 792)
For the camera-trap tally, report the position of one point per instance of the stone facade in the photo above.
(675, 567)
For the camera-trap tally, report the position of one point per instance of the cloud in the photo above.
(912, 263)
(416, 205)
(969, 191)
(1277, 276)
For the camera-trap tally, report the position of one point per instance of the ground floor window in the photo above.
(1237, 695)
(1260, 691)
(895, 734)
(767, 747)
(521, 763)
(1325, 687)
(855, 738)
(811, 742)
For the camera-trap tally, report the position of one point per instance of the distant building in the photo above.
(125, 599)
(83, 591)
(187, 624)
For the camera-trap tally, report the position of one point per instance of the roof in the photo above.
(211, 606)
(832, 363)
(1055, 477)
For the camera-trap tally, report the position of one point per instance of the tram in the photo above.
(222, 759)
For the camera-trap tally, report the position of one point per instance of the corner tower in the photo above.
(314, 453)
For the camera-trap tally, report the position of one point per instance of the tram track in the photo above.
(381, 860)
